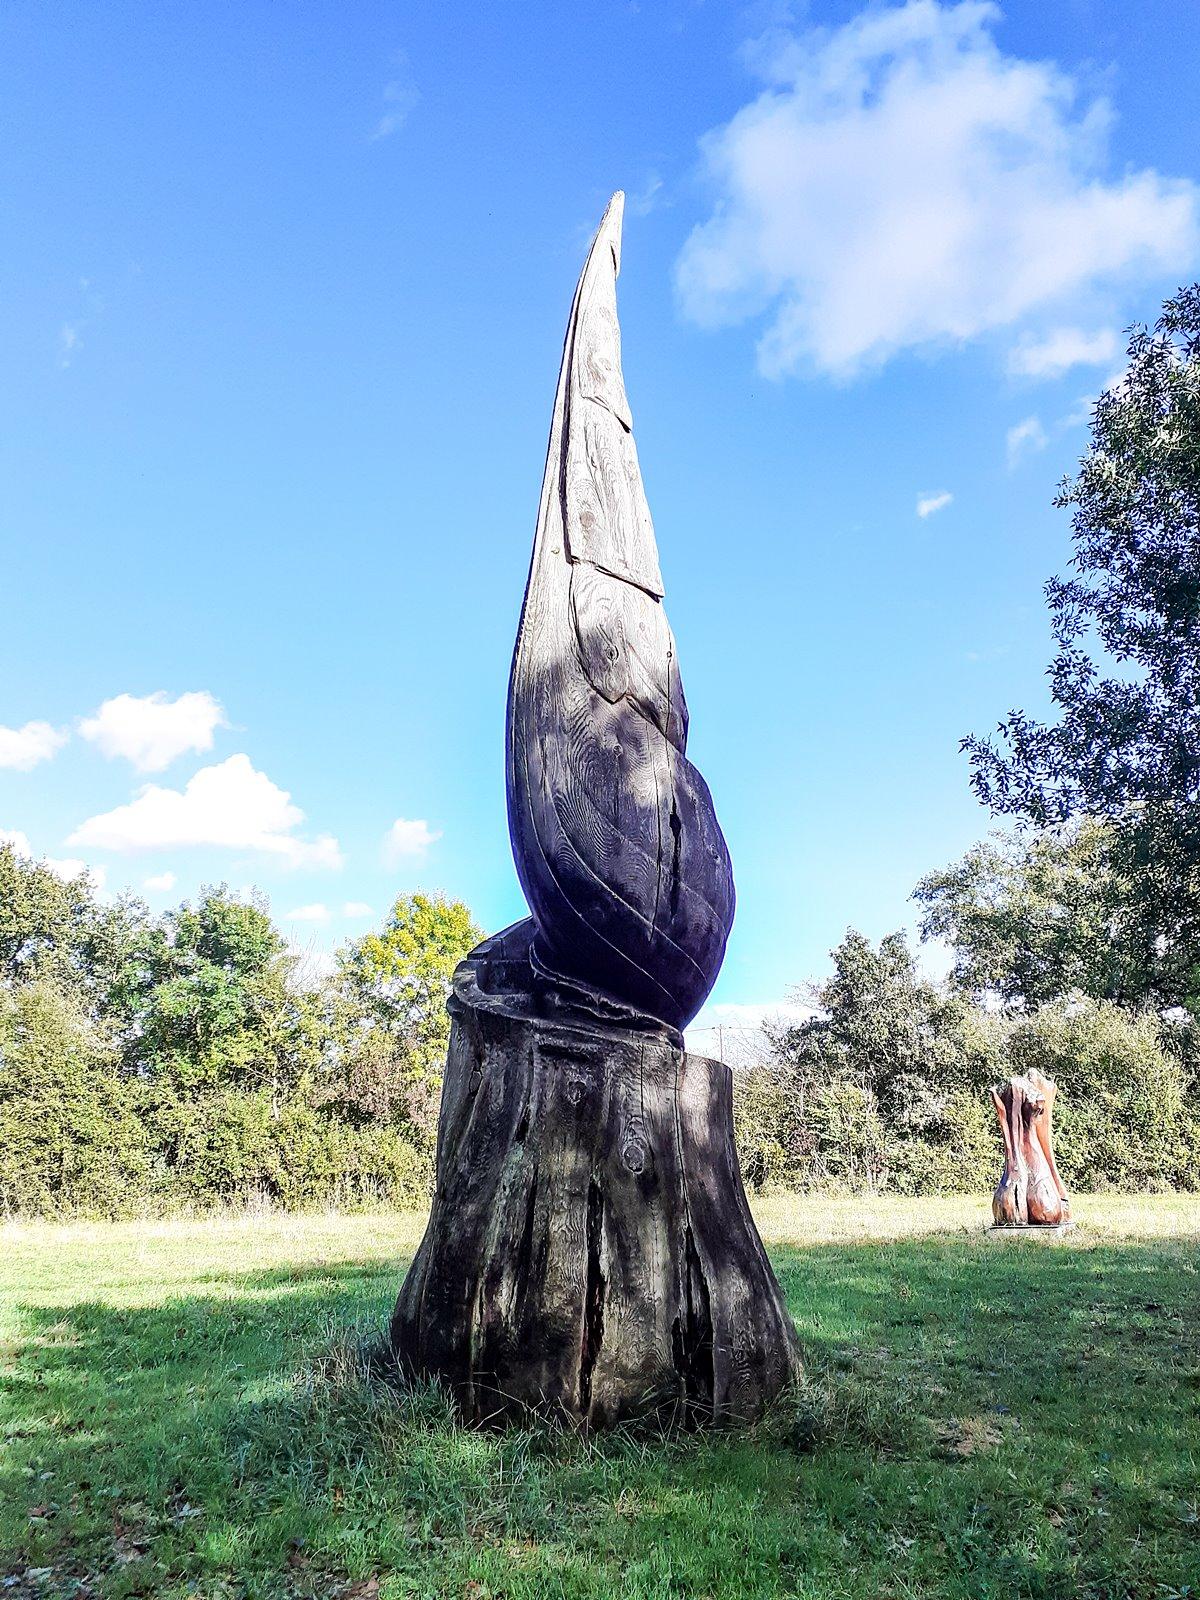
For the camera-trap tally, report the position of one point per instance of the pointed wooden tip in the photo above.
(610, 227)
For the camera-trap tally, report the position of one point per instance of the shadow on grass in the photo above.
(978, 1420)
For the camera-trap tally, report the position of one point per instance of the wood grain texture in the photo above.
(590, 1254)
(615, 836)
(1031, 1192)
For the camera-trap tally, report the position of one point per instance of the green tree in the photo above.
(1124, 1119)
(1126, 675)
(45, 921)
(217, 1005)
(885, 1083)
(391, 1025)
(1039, 914)
(70, 1135)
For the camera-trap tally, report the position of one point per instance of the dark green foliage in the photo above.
(147, 1064)
(151, 1063)
(886, 1087)
(1125, 1118)
(1041, 913)
(70, 1136)
(1126, 676)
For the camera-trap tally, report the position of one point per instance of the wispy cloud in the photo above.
(928, 504)
(1023, 439)
(981, 195)
(407, 839)
(641, 202)
(160, 882)
(68, 342)
(1080, 413)
(311, 913)
(400, 99)
(1060, 350)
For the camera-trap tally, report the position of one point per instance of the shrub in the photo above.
(70, 1136)
(1123, 1120)
(886, 1088)
(238, 1146)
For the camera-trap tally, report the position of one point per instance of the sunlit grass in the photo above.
(186, 1412)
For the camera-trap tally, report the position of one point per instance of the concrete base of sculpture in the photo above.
(590, 1254)
(1031, 1193)
(1030, 1230)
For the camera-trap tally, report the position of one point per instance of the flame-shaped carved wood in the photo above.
(590, 1252)
(616, 840)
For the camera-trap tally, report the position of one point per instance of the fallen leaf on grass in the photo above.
(364, 1590)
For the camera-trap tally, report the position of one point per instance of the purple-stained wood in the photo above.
(615, 836)
(590, 1253)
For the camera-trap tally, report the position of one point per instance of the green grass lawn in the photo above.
(183, 1416)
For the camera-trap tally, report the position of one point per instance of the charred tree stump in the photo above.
(590, 1254)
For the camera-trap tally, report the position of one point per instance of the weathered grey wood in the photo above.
(590, 1253)
(615, 837)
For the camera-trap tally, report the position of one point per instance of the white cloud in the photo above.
(151, 730)
(1024, 438)
(160, 882)
(927, 504)
(357, 908)
(65, 867)
(1060, 350)
(70, 868)
(229, 805)
(313, 913)
(406, 839)
(311, 965)
(641, 202)
(902, 182)
(21, 749)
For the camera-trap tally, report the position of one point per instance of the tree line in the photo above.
(185, 1060)
(1075, 937)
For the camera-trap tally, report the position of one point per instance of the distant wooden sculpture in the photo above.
(590, 1252)
(1030, 1192)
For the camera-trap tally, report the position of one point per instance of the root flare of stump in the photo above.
(590, 1254)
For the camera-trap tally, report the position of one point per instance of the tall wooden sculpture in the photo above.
(1030, 1192)
(590, 1252)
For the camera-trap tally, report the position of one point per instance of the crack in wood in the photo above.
(593, 1305)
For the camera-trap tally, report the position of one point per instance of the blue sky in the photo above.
(283, 294)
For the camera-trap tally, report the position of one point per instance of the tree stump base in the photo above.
(590, 1254)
